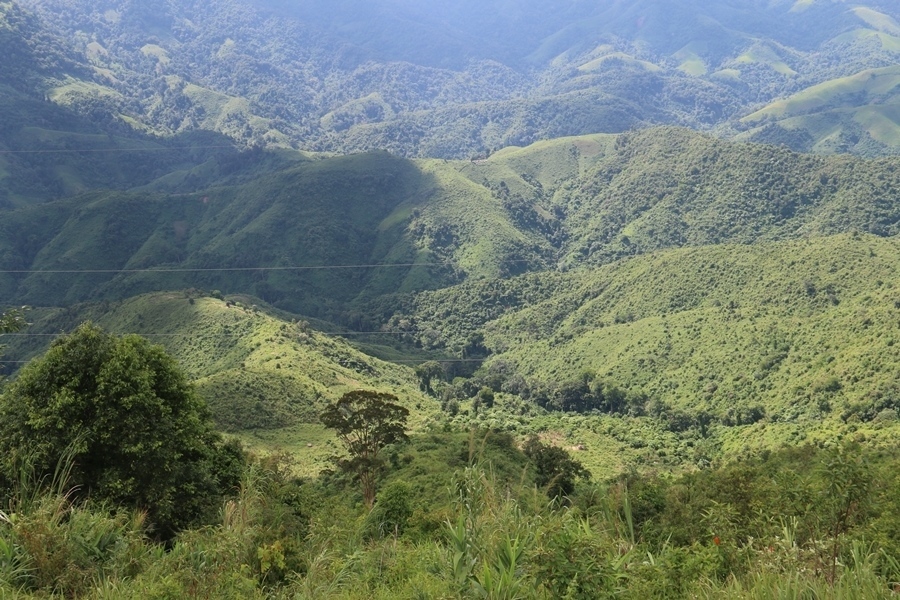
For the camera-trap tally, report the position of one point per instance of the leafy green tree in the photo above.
(366, 422)
(122, 408)
(556, 470)
(486, 396)
(392, 511)
(427, 372)
(12, 321)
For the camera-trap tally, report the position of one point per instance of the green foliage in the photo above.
(764, 334)
(366, 422)
(11, 321)
(594, 199)
(59, 547)
(448, 83)
(556, 470)
(137, 434)
(392, 511)
(231, 351)
(759, 527)
(427, 372)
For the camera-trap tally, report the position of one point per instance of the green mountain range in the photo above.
(328, 237)
(631, 268)
(462, 80)
(712, 283)
(494, 196)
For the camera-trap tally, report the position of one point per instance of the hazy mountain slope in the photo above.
(57, 136)
(858, 113)
(799, 328)
(255, 370)
(361, 210)
(452, 81)
(565, 202)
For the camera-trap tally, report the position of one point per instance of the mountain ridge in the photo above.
(328, 236)
(280, 75)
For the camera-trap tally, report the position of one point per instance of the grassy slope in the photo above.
(805, 330)
(671, 187)
(720, 326)
(256, 370)
(866, 102)
(580, 200)
(357, 210)
(871, 83)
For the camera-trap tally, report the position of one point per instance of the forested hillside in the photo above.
(705, 280)
(468, 79)
(716, 328)
(473, 299)
(340, 237)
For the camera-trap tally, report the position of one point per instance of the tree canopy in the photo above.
(137, 434)
(366, 422)
(556, 470)
(11, 321)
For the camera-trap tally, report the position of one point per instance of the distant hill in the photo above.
(255, 369)
(56, 137)
(453, 81)
(859, 114)
(633, 228)
(804, 330)
(340, 238)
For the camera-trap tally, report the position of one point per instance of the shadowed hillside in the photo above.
(341, 237)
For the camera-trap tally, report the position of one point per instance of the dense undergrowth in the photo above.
(460, 516)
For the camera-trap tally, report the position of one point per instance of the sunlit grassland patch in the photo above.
(878, 20)
(309, 446)
(691, 60)
(761, 54)
(873, 82)
(73, 89)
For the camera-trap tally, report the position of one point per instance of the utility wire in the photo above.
(403, 361)
(220, 334)
(234, 269)
(85, 150)
(236, 335)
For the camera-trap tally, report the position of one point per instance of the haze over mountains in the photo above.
(625, 272)
(474, 182)
(471, 77)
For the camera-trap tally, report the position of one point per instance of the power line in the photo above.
(217, 334)
(403, 361)
(224, 334)
(234, 269)
(224, 269)
(86, 150)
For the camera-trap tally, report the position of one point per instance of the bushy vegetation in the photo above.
(255, 370)
(494, 501)
(817, 521)
(118, 421)
(649, 364)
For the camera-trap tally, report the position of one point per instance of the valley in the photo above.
(615, 283)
